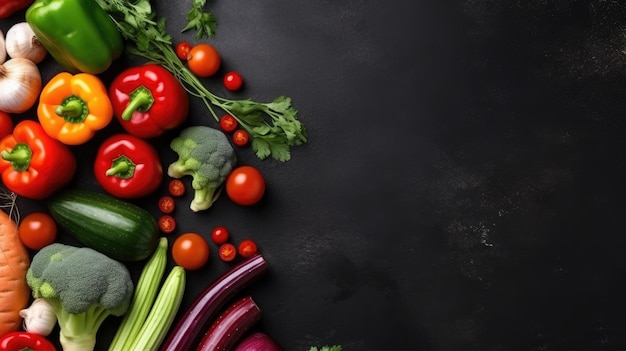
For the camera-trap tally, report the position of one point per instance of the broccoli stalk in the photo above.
(205, 154)
(83, 287)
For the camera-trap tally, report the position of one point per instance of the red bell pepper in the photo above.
(128, 167)
(20, 340)
(148, 100)
(9, 7)
(33, 164)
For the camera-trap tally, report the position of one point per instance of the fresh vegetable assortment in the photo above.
(78, 287)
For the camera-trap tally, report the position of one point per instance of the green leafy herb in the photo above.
(326, 348)
(204, 23)
(273, 126)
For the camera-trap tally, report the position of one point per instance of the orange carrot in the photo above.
(14, 262)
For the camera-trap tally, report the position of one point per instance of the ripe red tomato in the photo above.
(167, 224)
(233, 81)
(190, 251)
(240, 137)
(227, 252)
(245, 185)
(247, 248)
(167, 204)
(228, 123)
(203, 60)
(37, 230)
(182, 50)
(220, 235)
(6, 124)
(176, 187)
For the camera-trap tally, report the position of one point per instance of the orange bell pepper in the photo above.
(72, 108)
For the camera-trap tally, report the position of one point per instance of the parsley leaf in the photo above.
(204, 23)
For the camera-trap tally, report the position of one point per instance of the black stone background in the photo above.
(463, 186)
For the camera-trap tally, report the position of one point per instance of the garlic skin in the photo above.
(20, 85)
(21, 41)
(3, 51)
(39, 317)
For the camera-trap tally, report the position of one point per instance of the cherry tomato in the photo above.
(203, 60)
(247, 248)
(220, 235)
(240, 137)
(167, 224)
(167, 204)
(245, 185)
(37, 230)
(228, 123)
(227, 252)
(190, 251)
(176, 187)
(182, 50)
(6, 124)
(233, 81)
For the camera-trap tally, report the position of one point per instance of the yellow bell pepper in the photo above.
(72, 108)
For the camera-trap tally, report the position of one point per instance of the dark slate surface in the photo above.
(463, 184)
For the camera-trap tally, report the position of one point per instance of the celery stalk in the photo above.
(162, 313)
(143, 298)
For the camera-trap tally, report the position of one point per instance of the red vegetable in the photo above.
(185, 335)
(167, 224)
(240, 137)
(166, 204)
(20, 340)
(233, 81)
(33, 164)
(182, 50)
(245, 185)
(247, 248)
(128, 167)
(228, 123)
(258, 341)
(176, 187)
(9, 7)
(6, 124)
(231, 325)
(220, 235)
(148, 100)
(227, 252)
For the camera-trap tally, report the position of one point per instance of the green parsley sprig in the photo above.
(273, 126)
(203, 22)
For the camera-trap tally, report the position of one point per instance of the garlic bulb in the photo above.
(21, 41)
(39, 318)
(3, 51)
(20, 85)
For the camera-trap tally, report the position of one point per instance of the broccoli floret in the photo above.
(83, 286)
(205, 154)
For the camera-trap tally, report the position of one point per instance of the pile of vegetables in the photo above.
(74, 289)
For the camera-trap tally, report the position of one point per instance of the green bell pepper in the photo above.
(78, 34)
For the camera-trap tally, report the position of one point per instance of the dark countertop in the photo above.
(463, 183)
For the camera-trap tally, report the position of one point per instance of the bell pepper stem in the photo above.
(19, 157)
(141, 99)
(73, 109)
(121, 167)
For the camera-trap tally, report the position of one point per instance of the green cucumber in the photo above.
(117, 228)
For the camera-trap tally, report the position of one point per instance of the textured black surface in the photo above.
(463, 184)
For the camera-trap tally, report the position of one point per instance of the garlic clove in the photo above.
(39, 317)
